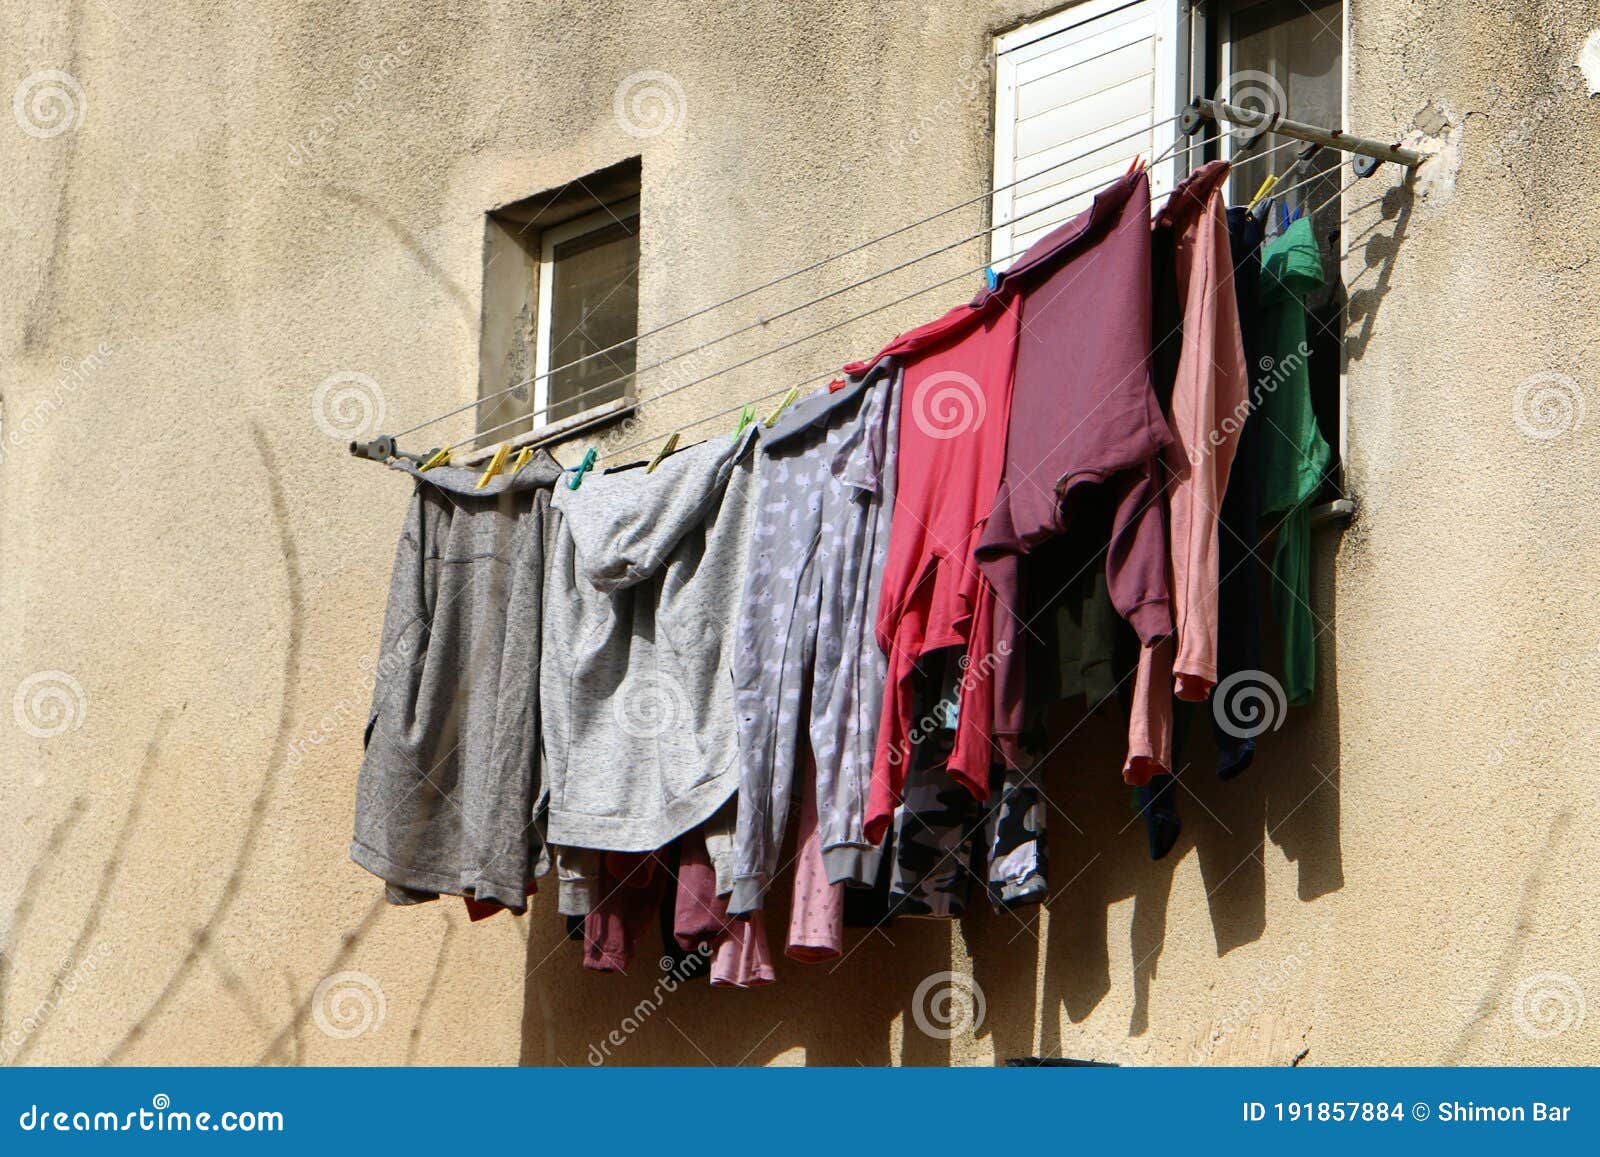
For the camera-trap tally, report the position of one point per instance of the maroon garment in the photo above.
(1083, 414)
(698, 915)
(633, 884)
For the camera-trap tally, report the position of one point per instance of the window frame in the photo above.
(1171, 20)
(544, 297)
(1222, 12)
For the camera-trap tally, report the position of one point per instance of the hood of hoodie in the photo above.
(626, 526)
(540, 470)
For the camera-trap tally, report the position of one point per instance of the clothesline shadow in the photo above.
(1037, 975)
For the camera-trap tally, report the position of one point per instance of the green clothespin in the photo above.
(788, 400)
(746, 416)
(583, 468)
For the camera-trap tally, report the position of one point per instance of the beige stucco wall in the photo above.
(258, 198)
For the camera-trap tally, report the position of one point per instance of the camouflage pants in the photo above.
(943, 839)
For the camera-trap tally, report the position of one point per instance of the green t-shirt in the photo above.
(1294, 455)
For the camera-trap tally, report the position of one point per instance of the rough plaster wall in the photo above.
(181, 538)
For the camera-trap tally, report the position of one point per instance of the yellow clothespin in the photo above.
(524, 456)
(440, 457)
(788, 399)
(667, 447)
(1266, 187)
(496, 464)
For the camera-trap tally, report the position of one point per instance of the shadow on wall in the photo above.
(862, 1009)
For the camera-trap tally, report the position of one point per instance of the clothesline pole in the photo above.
(1260, 120)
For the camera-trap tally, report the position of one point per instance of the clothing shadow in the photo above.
(853, 1010)
(1374, 231)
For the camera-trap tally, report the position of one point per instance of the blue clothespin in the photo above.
(990, 276)
(582, 468)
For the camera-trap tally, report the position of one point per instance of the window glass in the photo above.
(594, 305)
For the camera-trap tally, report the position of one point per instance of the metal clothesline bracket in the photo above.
(1264, 121)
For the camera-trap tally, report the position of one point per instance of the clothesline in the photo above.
(1191, 118)
(674, 640)
(779, 280)
(965, 273)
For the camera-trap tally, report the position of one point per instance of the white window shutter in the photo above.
(1101, 73)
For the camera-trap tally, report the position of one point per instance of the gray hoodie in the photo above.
(639, 606)
(445, 800)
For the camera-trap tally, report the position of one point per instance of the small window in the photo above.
(588, 312)
(561, 307)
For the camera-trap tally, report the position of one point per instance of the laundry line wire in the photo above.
(784, 391)
(815, 265)
(482, 435)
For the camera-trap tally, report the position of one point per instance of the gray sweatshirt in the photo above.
(639, 607)
(445, 800)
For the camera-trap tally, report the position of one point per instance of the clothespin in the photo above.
(583, 468)
(440, 457)
(991, 278)
(836, 385)
(788, 400)
(524, 456)
(496, 464)
(1136, 165)
(1266, 187)
(667, 447)
(746, 416)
